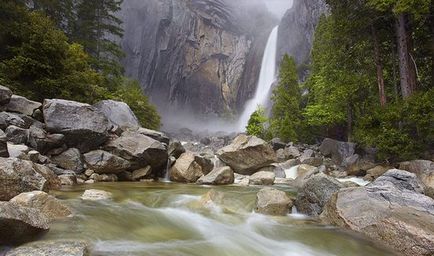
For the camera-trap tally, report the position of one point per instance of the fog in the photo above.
(278, 7)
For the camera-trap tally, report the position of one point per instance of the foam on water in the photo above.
(359, 181)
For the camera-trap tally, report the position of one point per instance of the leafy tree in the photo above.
(257, 123)
(286, 117)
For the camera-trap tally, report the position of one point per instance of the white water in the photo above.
(266, 80)
(292, 172)
(359, 181)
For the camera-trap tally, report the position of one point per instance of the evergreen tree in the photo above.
(257, 123)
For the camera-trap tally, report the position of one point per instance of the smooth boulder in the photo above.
(270, 201)
(84, 126)
(119, 114)
(96, 195)
(102, 161)
(52, 248)
(20, 224)
(218, 176)
(262, 178)
(392, 209)
(247, 154)
(186, 169)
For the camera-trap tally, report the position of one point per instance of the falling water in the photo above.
(266, 80)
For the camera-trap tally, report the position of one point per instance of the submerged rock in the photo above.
(96, 195)
(20, 224)
(391, 209)
(271, 201)
(218, 176)
(52, 248)
(247, 154)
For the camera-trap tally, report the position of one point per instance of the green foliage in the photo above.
(257, 124)
(285, 121)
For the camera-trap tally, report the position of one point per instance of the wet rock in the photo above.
(96, 195)
(176, 149)
(16, 134)
(141, 173)
(20, 224)
(218, 176)
(125, 176)
(43, 202)
(262, 178)
(246, 154)
(119, 114)
(186, 169)
(338, 150)
(84, 126)
(71, 160)
(52, 248)
(391, 209)
(424, 169)
(102, 161)
(271, 201)
(139, 149)
(5, 95)
(18, 176)
(315, 193)
(22, 105)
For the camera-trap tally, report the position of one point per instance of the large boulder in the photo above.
(270, 201)
(218, 176)
(104, 162)
(44, 203)
(71, 159)
(315, 193)
(337, 150)
(22, 105)
(247, 154)
(17, 135)
(186, 169)
(140, 150)
(392, 209)
(5, 95)
(52, 248)
(262, 178)
(18, 176)
(42, 141)
(119, 114)
(20, 224)
(84, 126)
(424, 169)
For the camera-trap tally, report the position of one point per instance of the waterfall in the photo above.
(267, 77)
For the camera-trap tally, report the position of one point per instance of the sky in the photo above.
(278, 7)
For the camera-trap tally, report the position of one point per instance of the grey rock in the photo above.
(17, 135)
(7, 119)
(3, 145)
(262, 178)
(156, 135)
(5, 95)
(141, 173)
(424, 169)
(176, 149)
(18, 151)
(314, 161)
(52, 248)
(104, 162)
(22, 105)
(186, 169)
(118, 114)
(40, 140)
(338, 150)
(218, 176)
(304, 173)
(271, 201)
(71, 159)
(205, 162)
(277, 144)
(84, 126)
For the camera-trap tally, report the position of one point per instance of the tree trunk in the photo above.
(406, 66)
(377, 59)
(432, 42)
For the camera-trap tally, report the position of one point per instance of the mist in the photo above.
(278, 7)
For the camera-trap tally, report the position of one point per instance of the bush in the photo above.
(257, 124)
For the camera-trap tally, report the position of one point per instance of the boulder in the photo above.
(277, 144)
(424, 169)
(52, 248)
(205, 162)
(96, 195)
(218, 176)
(3, 144)
(40, 140)
(70, 160)
(16, 134)
(156, 135)
(139, 149)
(307, 153)
(262, 178)
(246, 154)
(84, 126)
(292, 152)
(304, 172)
(315, 193)
(337, 150)
(102, 161)
(176, 149)
(7, 119)
(22, 105)
(391, 209)
(5, 95)
(186, 169)
(313, 161)
(20, 224)
(18, 176)
(46, 204)
(119, 114)
(270, 201)
(376, 172)
(68, 179)
(141, 173)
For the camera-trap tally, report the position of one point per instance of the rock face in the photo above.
(102, 161)
(271, 201)
(118, 113)
(21, 223)
(43, 202)
(391, 209)
(315, 193)
(52, 248)
(18, 176)
(218, 176)
(247, 154)
(186, 169)
(84, 126)
(297, 27)
(193, 55)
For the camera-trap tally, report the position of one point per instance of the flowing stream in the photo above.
(173, 219)
(267, 77)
